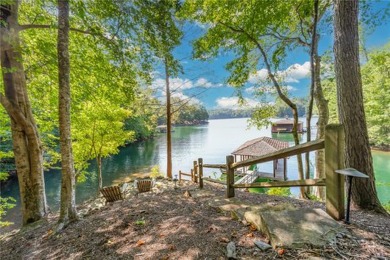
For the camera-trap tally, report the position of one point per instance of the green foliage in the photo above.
(313, 197)
(155, 172)
(387, 206)
(5, 204)
(188, 114)
(140, 222)
(376, 91)
(279, 191)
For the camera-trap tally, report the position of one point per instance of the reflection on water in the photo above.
(212, 142)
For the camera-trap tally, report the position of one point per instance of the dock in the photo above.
(251, 176)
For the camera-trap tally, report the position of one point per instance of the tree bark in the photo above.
(100, 175)
(26, 141)
(323, 119)
(68, 201)
(321, 103)
(350, 103)
(169, 123)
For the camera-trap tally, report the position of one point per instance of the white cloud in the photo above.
(296, 72)
(292, 74)
(180, 83)
(258, 76)
(267, 89)
(232, 102)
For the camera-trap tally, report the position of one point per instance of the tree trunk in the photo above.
(350, 103)
(68, 201)
(323, 119)
(321, 103)
(100, 175)
(26, 141)
(169, 124)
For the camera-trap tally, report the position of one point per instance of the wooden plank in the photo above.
(294, 183)
(294, 150)
(334, 160)
(186, 174)
(229, 177)
(195, 176)
(214, 180)
(215, 166)
(200, 164)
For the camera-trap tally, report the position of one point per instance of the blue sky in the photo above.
(205, 81)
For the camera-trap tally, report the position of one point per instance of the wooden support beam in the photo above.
(294, 183)
(200, 166)
(334, 160)
(215, 166)
(214, 180)
(195, 178)
(229, 176)
(294, 150)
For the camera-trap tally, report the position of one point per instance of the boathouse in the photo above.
(259, 147)
(286, 126)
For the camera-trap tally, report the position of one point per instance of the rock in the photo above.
(187, 194)
(231, 250)
(295, 228)
(263, 246)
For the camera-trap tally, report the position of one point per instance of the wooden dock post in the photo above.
(179, 176)
(200, 166)
(334, 160)
(229, 177)
(195, 178)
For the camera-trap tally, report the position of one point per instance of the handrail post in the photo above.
(195, 172)
(334, 160)
(179, 176)
(229, 177)
(200, 165)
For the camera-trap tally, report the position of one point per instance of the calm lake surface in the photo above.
(211, 142)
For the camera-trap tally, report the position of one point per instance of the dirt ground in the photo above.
(166, 224)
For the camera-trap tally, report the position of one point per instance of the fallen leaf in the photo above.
(250, 235)
(140, 242)
(281, 251)
(162, 235)
(224, 239)
(252, 228)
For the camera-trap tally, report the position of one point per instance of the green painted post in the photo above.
(334, 160)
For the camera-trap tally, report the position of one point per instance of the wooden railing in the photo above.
(334, 159)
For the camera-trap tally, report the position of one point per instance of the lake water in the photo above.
(212, 142)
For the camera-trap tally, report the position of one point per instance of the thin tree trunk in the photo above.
(323, 119)
(294, 109)
(169, 123)
(100, 175)
(68, 201)
(350, 103)
(313, 47)
(26, 141)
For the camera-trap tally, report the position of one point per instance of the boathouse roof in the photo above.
(260, 146)
(286, 122)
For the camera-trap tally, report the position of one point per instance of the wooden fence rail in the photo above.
(334, 159)
(215, 166)
(294, 150)
(295, 183)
